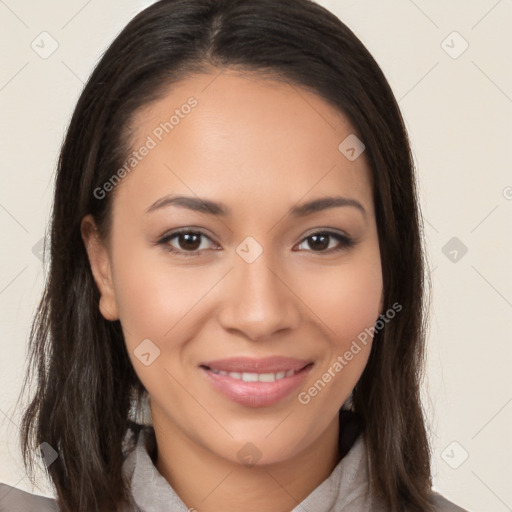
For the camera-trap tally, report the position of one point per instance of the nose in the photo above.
(258, 302)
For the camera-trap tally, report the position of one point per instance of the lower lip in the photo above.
(256, 394)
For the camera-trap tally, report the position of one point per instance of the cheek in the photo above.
(348, 303)
(152, 297)
(153, 304)
(346, 299)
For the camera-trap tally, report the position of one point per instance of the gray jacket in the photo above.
(345, 490)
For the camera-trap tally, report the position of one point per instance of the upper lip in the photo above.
(272, 364)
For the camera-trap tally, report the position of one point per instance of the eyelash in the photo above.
(346, 242)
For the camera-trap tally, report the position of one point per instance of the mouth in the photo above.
(256, 382)
(256, 377)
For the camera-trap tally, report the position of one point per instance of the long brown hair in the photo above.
(85, 381)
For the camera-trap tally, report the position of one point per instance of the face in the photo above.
(239, 311)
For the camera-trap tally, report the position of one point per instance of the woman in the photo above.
(233, 318)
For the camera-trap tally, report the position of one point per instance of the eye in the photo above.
(189, 242)
(320, 241)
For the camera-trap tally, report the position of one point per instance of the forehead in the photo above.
(241, 134)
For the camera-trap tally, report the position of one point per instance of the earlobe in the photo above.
(99, 260)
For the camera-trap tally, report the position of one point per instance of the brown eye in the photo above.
(185, 242)
(322, 241)
(189, 241)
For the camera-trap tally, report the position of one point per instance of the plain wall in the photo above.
(458, 111)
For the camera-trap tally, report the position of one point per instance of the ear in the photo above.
(99, 259)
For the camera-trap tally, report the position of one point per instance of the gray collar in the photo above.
(345, 489)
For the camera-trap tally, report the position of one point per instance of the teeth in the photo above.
(255, 377)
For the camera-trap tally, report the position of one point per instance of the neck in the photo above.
(207, 482)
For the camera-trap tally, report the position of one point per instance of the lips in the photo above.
(256, 382)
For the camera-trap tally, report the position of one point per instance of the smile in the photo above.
(256, 377)
(256, 382)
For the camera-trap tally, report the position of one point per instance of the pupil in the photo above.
(188, 243)
(322, 245)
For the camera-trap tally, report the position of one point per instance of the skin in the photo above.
(260, 147)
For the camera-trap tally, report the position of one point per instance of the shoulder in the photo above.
(441, 504)
(16, 500)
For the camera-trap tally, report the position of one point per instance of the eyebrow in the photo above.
(207, 206)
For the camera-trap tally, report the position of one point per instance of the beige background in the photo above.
(458, 110)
